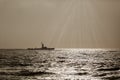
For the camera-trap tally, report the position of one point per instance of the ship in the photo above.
(42, 48)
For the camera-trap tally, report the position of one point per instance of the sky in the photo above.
(60, 23)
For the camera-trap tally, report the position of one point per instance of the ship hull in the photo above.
(41, 48)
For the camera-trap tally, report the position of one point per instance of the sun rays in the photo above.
(74, 23)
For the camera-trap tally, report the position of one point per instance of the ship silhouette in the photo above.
(42, 48)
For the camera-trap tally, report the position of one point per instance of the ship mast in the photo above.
(42, 45)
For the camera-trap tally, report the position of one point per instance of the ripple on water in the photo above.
(27, 73)
(30, 73)
(109, 69)
(112, 78)
(81, 73)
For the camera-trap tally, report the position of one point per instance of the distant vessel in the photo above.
(42, 48)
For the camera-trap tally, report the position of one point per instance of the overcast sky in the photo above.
(60, 23)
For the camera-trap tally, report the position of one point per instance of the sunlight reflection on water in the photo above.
(60, 64)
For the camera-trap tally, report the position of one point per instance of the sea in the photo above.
(60, 64)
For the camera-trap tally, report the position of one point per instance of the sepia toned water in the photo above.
(60, 64)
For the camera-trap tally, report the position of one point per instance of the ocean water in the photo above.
(60, 64)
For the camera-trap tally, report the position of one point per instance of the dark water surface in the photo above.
(61, 64)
